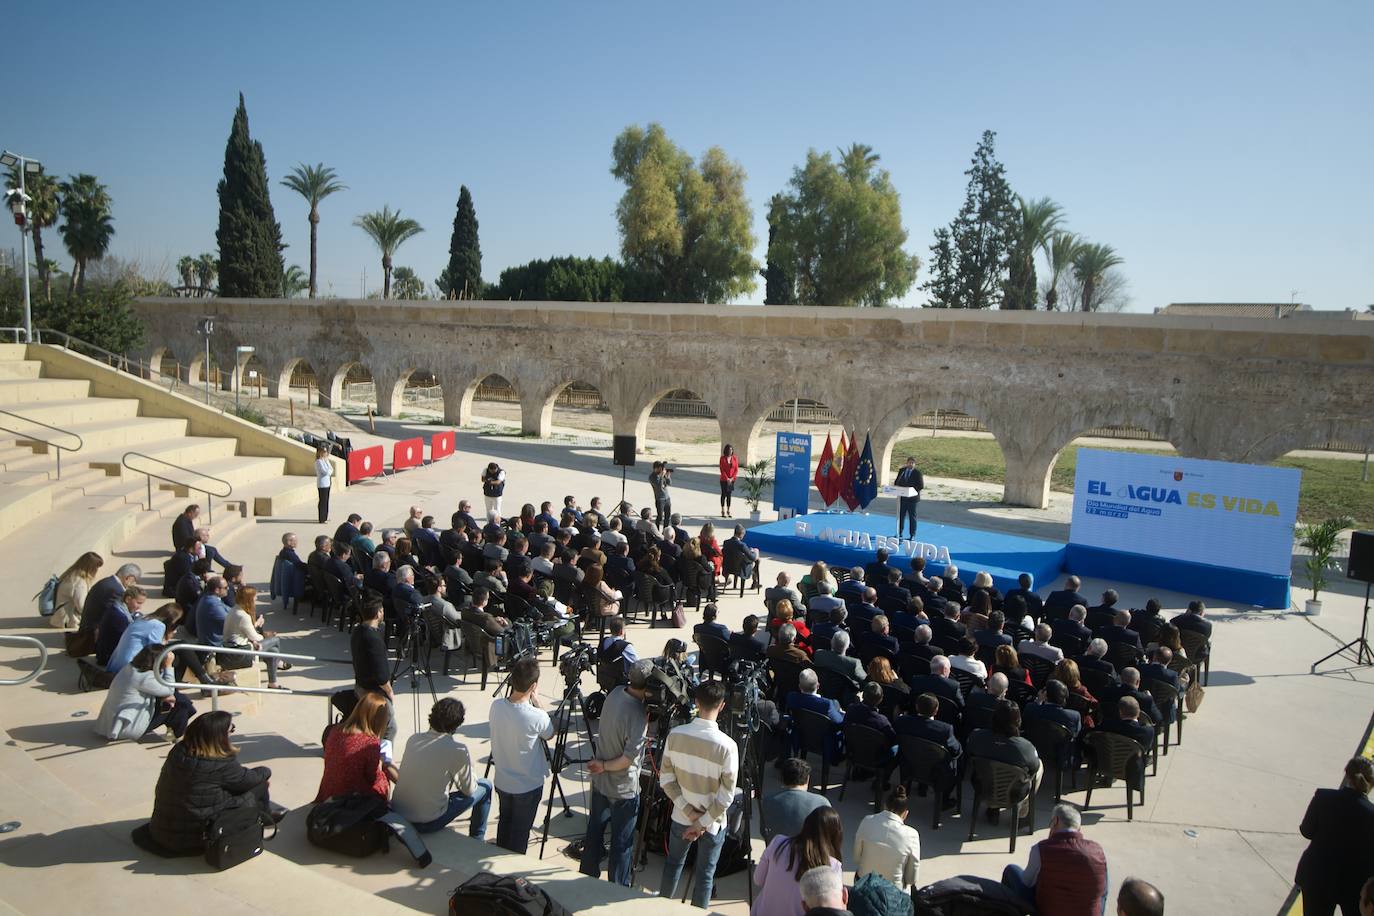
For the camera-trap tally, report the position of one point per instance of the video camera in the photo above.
(521, 640)
(667, 694)
(746, 683)
(575, 661)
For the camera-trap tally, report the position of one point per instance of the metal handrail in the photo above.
(117, 361)
(227, 650)
(80, 442)
(42, 660)
(210, 511)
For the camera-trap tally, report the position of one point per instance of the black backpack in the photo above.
(487, 894)
(236, 836)
(348, 824)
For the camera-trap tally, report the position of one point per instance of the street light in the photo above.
(18, 199)
(239, 354)
(206, 326)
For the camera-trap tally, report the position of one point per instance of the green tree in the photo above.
(294, 282)
(566, 279)
(1037, 222)
(1090, 267)
(44, 209)
(87, 227)
(249, 235)
(838, 232)
(207, 269)
(970, 256)
(388, 231)
(462, 278)
(186, 270)
(684, 226)
(314, 183)
(407, 284)
(779, 286)
(1060, 253)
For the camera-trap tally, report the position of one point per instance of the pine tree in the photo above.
(971, 256)
(249, 236)
(462, 279)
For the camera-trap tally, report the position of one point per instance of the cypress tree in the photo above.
(779, 288)
(463, 276)
(249, 236)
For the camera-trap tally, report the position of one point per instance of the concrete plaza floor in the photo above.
(1218, 831)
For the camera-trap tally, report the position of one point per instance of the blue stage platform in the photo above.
(848, 539)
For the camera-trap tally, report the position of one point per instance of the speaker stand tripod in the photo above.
(1363, 655)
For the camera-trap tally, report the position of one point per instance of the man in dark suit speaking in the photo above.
(908, 476)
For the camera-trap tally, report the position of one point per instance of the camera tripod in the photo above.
(412, 658)
(1363, 654)
(572, 702)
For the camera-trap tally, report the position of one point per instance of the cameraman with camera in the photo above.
(615, 778)
(661, 478)
(700, 763)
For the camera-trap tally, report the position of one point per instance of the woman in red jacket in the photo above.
(353, 752)
(729, 470)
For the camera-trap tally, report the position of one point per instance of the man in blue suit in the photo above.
(1158, 670)
(807, 696)
(865, 713)
(1050, 708)
(1025, 591)
(1059, 602)
(211, 611)
(925, 726)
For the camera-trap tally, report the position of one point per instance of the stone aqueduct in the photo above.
(1235, 390)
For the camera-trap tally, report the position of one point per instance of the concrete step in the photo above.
(67, 412)
(10, 352)
(186, 451)
(38, 390)
(123, 431)
(16, 369)
(273, 498)
(240, 471)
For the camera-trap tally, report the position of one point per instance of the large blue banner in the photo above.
(792, 483)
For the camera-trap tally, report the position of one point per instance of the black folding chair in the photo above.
(927, 763)
(815, 735)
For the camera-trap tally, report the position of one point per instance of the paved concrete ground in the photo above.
(1218, 832)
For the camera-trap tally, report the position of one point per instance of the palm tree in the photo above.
(1061, 250)
(44, 206)
(186, 269)
(1090, 267)
(857, 162)
(293, 282)
(388, 230)
(207, 268)
(88, 225)
(1039, 220)
(314, 183)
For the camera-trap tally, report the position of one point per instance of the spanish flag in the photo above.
(826, 480)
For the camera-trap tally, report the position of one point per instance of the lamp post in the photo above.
(206, 326)
(19, 203)
(239, 354)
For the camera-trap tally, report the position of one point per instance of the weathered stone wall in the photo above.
(1234, 390)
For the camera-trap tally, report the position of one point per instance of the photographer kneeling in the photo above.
(615, 778)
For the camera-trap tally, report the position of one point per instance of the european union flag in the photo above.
(866, 476)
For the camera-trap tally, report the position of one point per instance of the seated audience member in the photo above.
(936, 604)
(233, 578)
(1335, 868)
(1104, 613)
(889, 595)
(1148, 620)
(288, 572)
(947, 625)
(603, 600)
(1127, 722)
(492, 577)
(241, 631)
(810, 582)
(476, 613)
(1157, 669)
(807, 696)
(852, 589)
(615, 646)
(670, 550)
(749, 644)
(353, 759)
(1014, 609)
(785, 616)
(620, 568)
(444, 622)
(991, 636)
(390, 538)
(116, 619)
(613, 538)
(822, 633)
(362, 543)
(141, 633)
(1072, 625)
(964, 660)
(349, 529)
(212, 611)
(1141, 898)
(923, 724)
(915, 580)
(709, 626)
(785, 810)
(910, 617)
(982, 585)
(896, 693)
(952, 587)
(1066, 672)
(542, 563)
(177, 566)
(938, 682)
(1130, 687)
(786, 648)
(975, 615)
(824, 600)
(744, 559)
(1006, 662)
(837, 659)
(405, 598)
(866, 609)
(319, 557)
(1050, 708)
(886, 846)
(436, 782)
(208, 550)
(340, 566)
(980, 702)
(200, 780)
(1092, 659)
(1040, 646)
(710, 548)
(1066, 872)
(1002, 741)
(1195, 619)
(920, 645)
(1120, 631)
(822, 892)
(778, 874)
(875, 573)
(192, 586)
(879, 639)
(783, 589)
(405, 555)
(1059, 602)
(139, 701)
(105, 591)
(379, 577)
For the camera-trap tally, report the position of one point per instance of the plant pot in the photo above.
(755, 516)
(1314, 608)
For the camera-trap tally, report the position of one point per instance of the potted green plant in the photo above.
(1320, 541)
(757, 478)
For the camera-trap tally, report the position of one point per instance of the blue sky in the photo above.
(1222, 148)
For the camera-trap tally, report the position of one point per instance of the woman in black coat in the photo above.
(1340, 824)
(200, 779)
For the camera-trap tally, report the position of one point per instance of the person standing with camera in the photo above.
(615, 778)
(493, 487)
(519, 728)
(661, 478)
(700, 763)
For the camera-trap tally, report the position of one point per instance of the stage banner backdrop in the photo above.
(1235, 516)
(792, 472)
(365, 462)
(441, 445)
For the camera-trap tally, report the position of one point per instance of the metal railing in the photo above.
(117, 361)
(80, 443)
(42, 659)
(210, 511)
(215, 688)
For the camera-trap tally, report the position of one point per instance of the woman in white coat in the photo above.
(72, 586)
(885, 845)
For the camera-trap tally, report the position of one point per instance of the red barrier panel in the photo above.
(365, 462)
(441, 445)
(408, 453)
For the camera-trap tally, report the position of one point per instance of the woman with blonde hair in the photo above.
(604, 600)
(811, 582)
(896, 692)
(72, 587)
(241, 632)
(353, 760)
(1067, 673)
(1008, 662)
